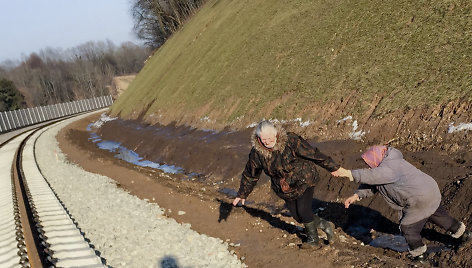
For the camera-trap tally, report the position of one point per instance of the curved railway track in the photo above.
(36, 229)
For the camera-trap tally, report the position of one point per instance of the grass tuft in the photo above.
(279, 57)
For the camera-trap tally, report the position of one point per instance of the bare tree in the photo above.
(156, 20)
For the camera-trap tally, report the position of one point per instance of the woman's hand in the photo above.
(342, 172)
(353, 198)
(236, 201)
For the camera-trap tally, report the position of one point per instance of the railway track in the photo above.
(36, 230)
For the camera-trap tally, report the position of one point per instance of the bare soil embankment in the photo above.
(263, 228)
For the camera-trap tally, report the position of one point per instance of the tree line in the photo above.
(56, 75)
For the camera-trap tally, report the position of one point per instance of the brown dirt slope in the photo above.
(263, 228)
(120, 84)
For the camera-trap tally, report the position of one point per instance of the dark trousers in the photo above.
(300, 208)
(441, 218)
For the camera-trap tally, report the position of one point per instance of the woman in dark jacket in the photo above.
(407, 189)
(289, 161)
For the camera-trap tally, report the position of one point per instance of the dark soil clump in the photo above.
(219, 158)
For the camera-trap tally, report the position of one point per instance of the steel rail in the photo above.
(36, 229)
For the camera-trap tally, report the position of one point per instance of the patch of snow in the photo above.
(460, 127)
(356, 135)
(302, 124)
(283, 121)
(345, 119)
(99, 123)
(207, 119)
(354, 125)
(305, 124)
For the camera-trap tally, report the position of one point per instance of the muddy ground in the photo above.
(266, 234)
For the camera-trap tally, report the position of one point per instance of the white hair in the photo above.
(265, 126)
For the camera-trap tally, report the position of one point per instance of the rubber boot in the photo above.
(423, 258)
(326, 227)
(462, 235)
(418, 254)
(313, 241)
(465, 237)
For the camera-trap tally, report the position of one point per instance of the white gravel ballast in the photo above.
(125, 230)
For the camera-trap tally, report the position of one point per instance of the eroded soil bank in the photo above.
(262, 228)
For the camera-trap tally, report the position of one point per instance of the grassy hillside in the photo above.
(276, 58)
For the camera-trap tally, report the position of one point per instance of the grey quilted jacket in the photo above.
(402, 185)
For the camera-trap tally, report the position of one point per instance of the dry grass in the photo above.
(253, 53)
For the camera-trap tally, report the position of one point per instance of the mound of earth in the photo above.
(263, 233)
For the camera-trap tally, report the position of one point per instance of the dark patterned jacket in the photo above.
(290, 164)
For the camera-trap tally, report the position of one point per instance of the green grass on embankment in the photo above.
(237, 57)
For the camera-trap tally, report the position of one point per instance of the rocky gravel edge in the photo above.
(125, 230)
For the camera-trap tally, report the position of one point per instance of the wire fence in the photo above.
(11, 120)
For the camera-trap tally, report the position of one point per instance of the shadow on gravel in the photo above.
(169, 262)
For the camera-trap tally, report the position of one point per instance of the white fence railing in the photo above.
(15, 119)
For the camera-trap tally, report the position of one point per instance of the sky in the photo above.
(28, 26)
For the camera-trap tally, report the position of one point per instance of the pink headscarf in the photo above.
(374, 155)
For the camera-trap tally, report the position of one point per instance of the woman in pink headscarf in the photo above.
(407, 189)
